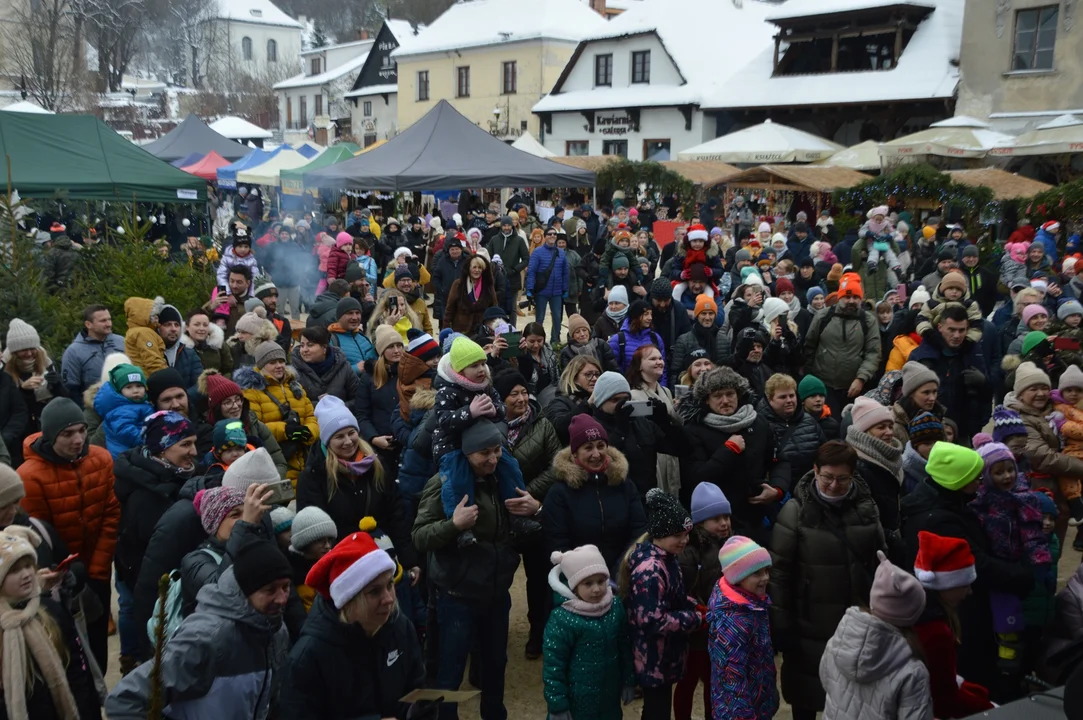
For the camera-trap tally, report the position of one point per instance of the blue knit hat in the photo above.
(332, 416)
(813, 292)
(1006, 423)
(708, 501)
(1047, 504)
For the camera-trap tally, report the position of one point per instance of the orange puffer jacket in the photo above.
(76, 498)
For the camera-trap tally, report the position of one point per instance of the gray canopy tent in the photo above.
(445, 151)
(194, 136)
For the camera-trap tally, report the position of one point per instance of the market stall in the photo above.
(1061, 136)
(206, 167)
(863, 156)
(1005, 185)
(239, 129)
(768, 142)
(266, 173)
(960, 138)
(776, 189)
(227, 175)
(292, 179)
(194, 136)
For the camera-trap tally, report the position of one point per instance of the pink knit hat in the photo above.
(896, 597)
(741, 557)
(343, 239)
(579, 564)
(868, 413)
(1031, 310)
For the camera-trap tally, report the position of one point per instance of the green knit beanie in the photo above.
(125, 374)
(464, 353)
(953, 467)
(1031, 340)
(810, 385)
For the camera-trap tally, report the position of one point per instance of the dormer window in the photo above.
(256, 13)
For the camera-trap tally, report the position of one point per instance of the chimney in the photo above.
(598, 6)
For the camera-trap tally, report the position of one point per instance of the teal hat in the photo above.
(125, 374)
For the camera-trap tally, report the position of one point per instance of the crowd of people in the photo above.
(859, 455)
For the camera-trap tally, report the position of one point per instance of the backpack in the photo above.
(622, 343)
(865, 327)
(174, 603)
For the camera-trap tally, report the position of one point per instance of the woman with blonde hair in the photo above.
(378, 398)
(35, 376)
(573, 393)
(43, 668)
(345, 478)
(357, 654)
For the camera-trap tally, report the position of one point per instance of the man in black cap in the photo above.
(267, 293)
(406, 283)
(415, 237)
(166, 391)
(360, 288)
(981, 282)
(512, 249)
(178, 355)
(800, 241)
(446, 269)
(235, 637)
(669, 322)
(323, 311)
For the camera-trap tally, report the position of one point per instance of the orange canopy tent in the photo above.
(207, 168)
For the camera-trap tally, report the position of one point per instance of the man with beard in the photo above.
(167, 393)
(267, 293)
(360, 289)
(178, 356)
(842, 346)
(407, 285)
(447, 267)
(749, 347)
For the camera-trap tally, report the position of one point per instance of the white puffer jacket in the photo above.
(869, 671)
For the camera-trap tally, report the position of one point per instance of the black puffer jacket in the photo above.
(562, 408)
(336, 671)
(713, 339)
(340, 381)
(444, 274)
(13, 418)
(601, 510)
(796, 439)
(815, 576)
(374, 406)
(640, 439)
(934, 509)
(355, 498)
(146, 489)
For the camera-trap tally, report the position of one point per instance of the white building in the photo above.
(315, 98)
(373, 97)
(635, 88)
(254, 39)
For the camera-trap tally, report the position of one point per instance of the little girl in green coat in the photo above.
(589, 669)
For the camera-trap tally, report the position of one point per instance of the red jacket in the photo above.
(77, 499)
(337, 261)
(950, 699)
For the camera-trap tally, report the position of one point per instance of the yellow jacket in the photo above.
(142, 343)
(259, 390)
(389, 278)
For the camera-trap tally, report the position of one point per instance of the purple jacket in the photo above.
(661, 615)
(742, 657)
(632, 342)
(1012, 521)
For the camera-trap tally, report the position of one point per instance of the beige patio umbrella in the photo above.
(863, 156)
(959, 137)
(1061, 136)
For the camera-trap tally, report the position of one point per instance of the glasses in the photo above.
(836, 479)
(591, 375)
(233, 401)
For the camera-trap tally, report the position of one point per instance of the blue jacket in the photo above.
(540, 259)
(369, 266)
(188, 365)
(632, 342)
(1049, 243)
(356, 347)
(82, 363)
(121, 418)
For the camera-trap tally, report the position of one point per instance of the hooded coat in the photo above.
(58, 265)
(122, 419)
(81, 365)
(340, 380)
(603, 509)
(269, 397)
(337, 672)
(222, 662)
(816, 576)
(76, 498)
(142, 343)
(869, 670)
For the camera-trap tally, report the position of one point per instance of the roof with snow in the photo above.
(688, 31)
(25, 106)
(236, 128)
(403, 31)
(812, 8)
(373, 90)
(479, 23)
(330, 75)
(927, 69)
(257, 12)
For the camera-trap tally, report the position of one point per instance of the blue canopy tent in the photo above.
(227, 176)
(308, 151)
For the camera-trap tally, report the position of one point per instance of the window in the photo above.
(641, 66)
(304, 111)
(272, 51)
(656, 150)
(462, 82)
(367, 106)
(246, 48)
(615, 147)
(422, 85)
(318, 109)
(314, 66)
(603, 70)
(577, 147)
(1035, 33)
(510, 78)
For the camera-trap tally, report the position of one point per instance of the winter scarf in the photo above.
(474, 288)
(886, 455)
(573, 604)
(618, 318)
(325, 365)
(358, 467)
(22, 630)
(516, 426)
(732, 424)
(177, 470)
(831, 500)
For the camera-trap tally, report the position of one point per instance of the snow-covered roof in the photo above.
(257, 12)
(480, 23)
(236, 128)
(373, 90)
(925, 71)
(811, 8)
(403, 31)
(688, 31)
(620, 4)
(329, 75)
(25, 106)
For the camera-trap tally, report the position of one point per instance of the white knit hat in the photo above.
(22, 336)
(110, 363)
(252, 468)
(310, 525)
(579, 564)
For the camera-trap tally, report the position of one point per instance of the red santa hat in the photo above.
(944, 563)
(1051, 227)
(697, 232)
(351, 565)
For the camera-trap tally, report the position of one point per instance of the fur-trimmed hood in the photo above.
(90, 393)
(142, 312)
(248, 378)
(216, 337)
(381, 309)
(575, 476)
(1010, 363)
(423, 400)
(267, 333)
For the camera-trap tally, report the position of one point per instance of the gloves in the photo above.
(299, 434)
(627, 695)
(707, 271)
(973, 379)
(293, 428)
(659, 413)
(686, 274)
(424, 710)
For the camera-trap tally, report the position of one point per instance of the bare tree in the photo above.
(115, 27)
(182, 39)
(40, 48)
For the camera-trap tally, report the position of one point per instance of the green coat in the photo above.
(587, 662)
(535, 449)
(847, 348)
(574, 282)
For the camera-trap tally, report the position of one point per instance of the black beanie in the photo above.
(665, 514)
(505, 381)
(169, 313)
(661, 289)
(636, 309)
(258, 563)
(60, 414)
(161, 381)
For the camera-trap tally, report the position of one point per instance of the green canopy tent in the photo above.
(291, 180)
(83, 157)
